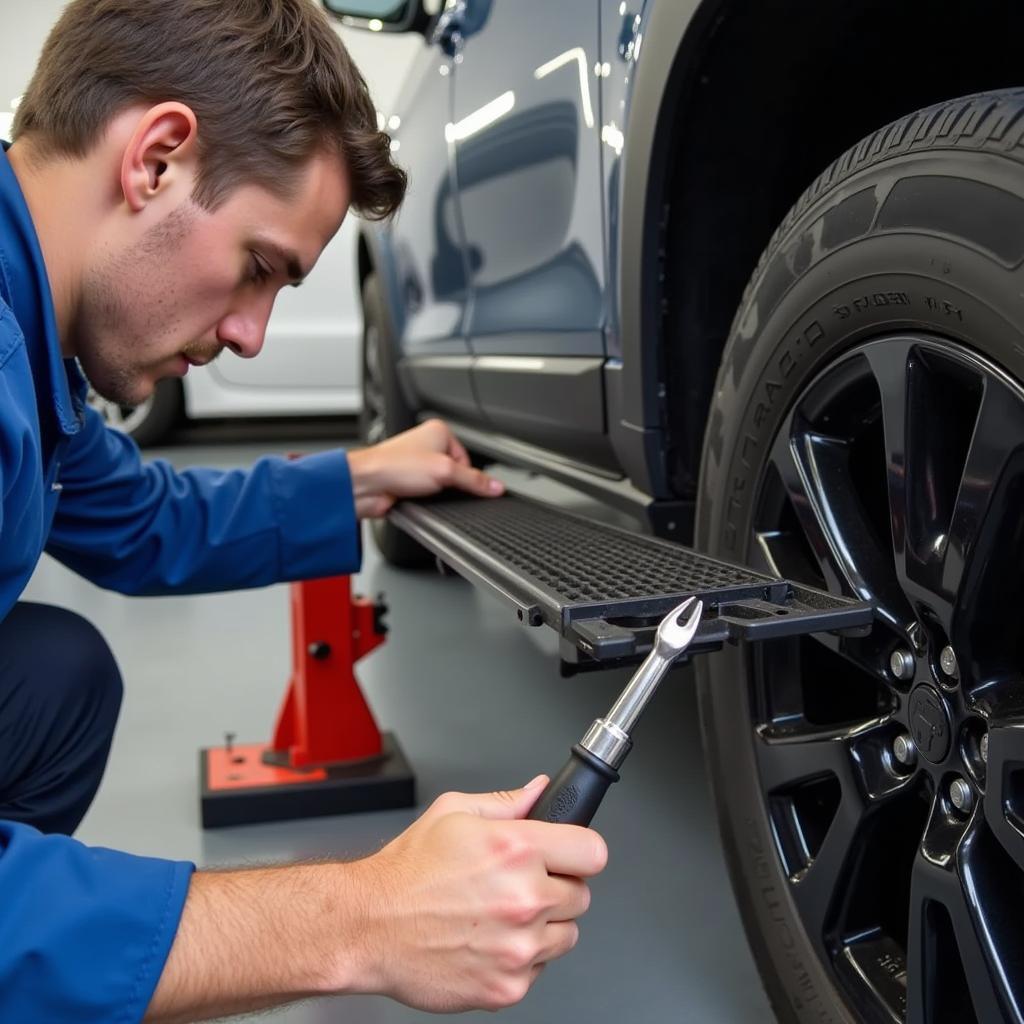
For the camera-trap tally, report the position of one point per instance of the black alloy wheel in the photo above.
(384, 414)
(372, 422)
(886, 761)
(867, 436)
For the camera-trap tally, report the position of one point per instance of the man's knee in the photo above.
(82, 663)
(58, 677)
(60, 693)
(70, 661)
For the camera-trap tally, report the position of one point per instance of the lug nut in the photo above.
(983, 748)
(947, 661)
(902, 664)
(961, 796)
(904, 751)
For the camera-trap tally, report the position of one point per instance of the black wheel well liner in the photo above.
(778, 92)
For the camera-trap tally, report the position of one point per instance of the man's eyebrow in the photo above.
(291, 261)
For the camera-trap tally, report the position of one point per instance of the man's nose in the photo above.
(243, 332)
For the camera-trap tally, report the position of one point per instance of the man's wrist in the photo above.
(355, 966)
(359, 472)
(363, 473)
(368, 480)
(327, 955)
(250, 940)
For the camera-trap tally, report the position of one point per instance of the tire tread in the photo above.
(992, 121)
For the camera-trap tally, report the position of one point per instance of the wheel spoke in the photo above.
(816, 890)
(790, 756)
(768, 554)
(943, 472)
(789, 760)
(917, 463)
(990, 941)
(997, 438)
(983, 570)
(871, 798)
(962, 928)
(1004, 796)
(811, 512)
(816, 475)
(859, 757)
(910, 461)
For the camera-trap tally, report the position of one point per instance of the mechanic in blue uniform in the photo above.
(174, 165)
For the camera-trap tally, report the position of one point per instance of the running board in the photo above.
(604, 589)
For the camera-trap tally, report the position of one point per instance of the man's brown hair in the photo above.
(269, 81)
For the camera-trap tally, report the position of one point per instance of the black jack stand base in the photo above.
(239, 787)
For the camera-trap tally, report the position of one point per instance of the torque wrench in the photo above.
(574, 794)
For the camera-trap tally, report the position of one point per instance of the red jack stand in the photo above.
(327, 755)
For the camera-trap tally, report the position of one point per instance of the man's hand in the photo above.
(459, 912)
(479, 901)
(419, 462)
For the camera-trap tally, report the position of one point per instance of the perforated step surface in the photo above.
(583, 560)
(602, 587)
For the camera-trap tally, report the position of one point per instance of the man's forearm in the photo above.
(249, 940)
(459, 912)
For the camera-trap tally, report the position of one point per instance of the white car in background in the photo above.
(309, 366)
(311, 363)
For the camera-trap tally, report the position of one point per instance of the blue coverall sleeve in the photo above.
(84, 931)
(145, 528)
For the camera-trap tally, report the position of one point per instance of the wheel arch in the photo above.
(749, 82)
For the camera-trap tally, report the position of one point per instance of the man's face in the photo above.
(196, 282)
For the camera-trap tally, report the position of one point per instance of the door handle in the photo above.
(448, 31)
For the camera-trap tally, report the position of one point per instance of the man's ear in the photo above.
(161, 154)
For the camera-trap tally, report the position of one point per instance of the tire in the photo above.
(867, 436)
(384, 414)
(150, 423)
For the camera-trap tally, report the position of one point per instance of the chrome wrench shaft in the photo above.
(574, 795)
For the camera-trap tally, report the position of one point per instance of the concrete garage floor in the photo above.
(477, 704)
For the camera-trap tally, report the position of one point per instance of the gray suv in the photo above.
(755, 271)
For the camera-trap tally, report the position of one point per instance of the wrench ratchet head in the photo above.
(677, 629)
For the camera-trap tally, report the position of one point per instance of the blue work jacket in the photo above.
(84, 931)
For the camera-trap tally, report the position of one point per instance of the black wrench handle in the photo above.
(573, 796)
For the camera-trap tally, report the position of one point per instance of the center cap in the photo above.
(929, 723)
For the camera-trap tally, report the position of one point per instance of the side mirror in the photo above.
(379, 15)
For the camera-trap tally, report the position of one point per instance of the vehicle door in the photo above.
(526, 144)
(429, 289)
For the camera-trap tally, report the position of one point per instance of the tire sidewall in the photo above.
(808, 305)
